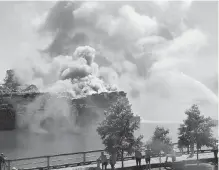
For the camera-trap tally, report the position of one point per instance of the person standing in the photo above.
(98, 164)
(148, 158)
(138, 157)
(104, 161)
(172, 154)
(112, 160)
(215, 150)
(2, 160)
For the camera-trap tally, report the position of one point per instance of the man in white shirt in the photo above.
(172, 154)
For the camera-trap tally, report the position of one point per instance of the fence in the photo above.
(59, 160)
(64, 160)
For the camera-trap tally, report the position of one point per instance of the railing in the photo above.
(64, 160)
(48, 161)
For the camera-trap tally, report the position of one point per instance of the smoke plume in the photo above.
(77, 75)
(151, 50)
(69, 77)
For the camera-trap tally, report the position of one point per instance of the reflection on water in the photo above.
(18, 144)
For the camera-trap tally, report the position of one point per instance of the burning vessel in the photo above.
(84, 110)
(73, 94)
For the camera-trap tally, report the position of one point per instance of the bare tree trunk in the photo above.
(192, 144)
(192, 149)
(197, 153)
(122, 159)
(187, 149)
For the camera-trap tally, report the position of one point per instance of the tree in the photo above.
(11, 81)
(183, 138)
(160, 141)
(118, 127)
(197, 130)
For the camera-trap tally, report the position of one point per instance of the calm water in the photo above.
(17, 144)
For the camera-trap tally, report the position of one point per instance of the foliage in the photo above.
(183, 138)
(11, 84)
(196, 129)
(213, 142)
(118, 127)
(10, 81)
(160, 141)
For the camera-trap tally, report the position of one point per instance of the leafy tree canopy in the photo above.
(183, 138)
(196, 129)
(160, 142)
(118, 127)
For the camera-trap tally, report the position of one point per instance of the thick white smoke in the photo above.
(48, 114)
(77, 75)
(70, 77)
(142, 47)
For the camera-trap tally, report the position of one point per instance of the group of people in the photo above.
(138, 157)
(104, 161)
(113, 158)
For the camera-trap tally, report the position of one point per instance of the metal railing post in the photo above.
(84, 157)
(48, 162)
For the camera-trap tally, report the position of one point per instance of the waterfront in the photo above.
(77, 161)
(18, 144)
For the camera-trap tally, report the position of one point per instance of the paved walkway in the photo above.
(153, 160)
